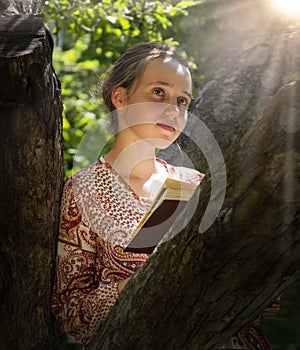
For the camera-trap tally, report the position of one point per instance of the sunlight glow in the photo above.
(288, 7)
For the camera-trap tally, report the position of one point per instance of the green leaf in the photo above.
(185, 4)
(112, 19)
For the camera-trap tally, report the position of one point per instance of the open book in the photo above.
(170, 200)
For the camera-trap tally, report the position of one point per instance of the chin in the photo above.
(161, 144)
(164, 145)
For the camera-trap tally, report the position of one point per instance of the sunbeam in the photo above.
(287, 7)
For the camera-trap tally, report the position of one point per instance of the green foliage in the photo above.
(90, 35)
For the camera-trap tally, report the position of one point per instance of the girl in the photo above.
(148, 91)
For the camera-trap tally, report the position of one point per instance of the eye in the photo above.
(158, 92)
(182, 101)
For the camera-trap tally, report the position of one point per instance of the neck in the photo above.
(132, 159)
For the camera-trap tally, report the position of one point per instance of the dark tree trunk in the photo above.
(199, 288)
(31, 179)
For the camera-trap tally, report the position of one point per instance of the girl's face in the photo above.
(155, 108)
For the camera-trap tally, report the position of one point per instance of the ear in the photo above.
(118, 97)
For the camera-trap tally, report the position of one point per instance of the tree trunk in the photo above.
(31, 179)
(199, 288)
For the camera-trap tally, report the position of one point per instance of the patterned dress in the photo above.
(98, 214)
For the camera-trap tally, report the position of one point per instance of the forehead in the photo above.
(168, 70)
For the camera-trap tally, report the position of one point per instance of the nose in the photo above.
(172, 111)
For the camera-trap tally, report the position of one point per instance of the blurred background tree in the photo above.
(90, 35)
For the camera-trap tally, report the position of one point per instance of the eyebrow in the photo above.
(165, 83)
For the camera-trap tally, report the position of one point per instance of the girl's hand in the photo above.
(122, 284)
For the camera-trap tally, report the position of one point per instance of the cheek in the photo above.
(182, 120)
(151, 111)
(143, 113)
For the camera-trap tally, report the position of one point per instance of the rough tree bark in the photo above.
(198, 289)
(31, 179)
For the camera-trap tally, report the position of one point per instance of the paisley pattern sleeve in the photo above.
(80, 300)
(251, 336)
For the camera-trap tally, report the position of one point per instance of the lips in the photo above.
(167, 127)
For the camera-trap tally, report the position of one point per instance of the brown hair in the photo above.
(131, 65)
